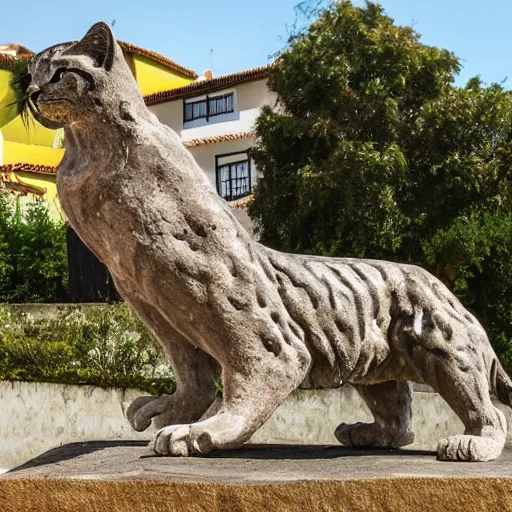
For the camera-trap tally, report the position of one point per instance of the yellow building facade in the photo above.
(30, 154)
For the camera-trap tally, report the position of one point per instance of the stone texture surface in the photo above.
(127, 477)
(216, 299)
(252, 464)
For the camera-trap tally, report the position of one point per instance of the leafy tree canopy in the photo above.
(373, 152)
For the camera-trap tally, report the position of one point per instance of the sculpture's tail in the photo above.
(501, 383)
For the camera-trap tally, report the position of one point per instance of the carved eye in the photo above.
(57, 75)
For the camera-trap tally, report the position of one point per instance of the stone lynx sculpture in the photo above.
(221, 304)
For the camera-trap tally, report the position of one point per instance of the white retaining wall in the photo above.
(36, 417)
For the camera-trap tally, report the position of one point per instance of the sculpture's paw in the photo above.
(362, 435)
(469, 448)
(182, 441)
(143, 409)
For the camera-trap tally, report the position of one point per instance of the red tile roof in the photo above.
(13, 184)
(6, 61)
(39, 169)
(164, 61)
(243, 204)
(203, 86)
(194, 143)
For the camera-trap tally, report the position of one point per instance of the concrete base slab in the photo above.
(112, 460)
(122, 476)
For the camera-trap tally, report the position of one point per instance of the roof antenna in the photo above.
(211, 59)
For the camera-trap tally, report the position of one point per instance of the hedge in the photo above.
(100, 345)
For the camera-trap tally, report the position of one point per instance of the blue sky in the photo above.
(244, 33)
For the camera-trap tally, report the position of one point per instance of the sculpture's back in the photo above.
(217, 300)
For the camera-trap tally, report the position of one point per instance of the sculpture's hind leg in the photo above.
(390, 404)
(465, 388)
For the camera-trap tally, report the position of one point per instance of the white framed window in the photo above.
(233, 175)
(208, 107)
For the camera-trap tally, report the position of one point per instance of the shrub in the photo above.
(33, 257)
(105, 346)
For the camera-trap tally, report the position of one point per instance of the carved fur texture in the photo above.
(223, 305)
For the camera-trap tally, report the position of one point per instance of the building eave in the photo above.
(206, 86)
(24, 167)
(15, 185)
(195, 143)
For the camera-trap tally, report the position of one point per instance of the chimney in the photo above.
(208, 74)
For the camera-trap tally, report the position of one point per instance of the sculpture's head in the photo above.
(72, 82)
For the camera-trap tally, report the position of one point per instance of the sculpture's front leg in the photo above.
(195, 372)
(254, 386)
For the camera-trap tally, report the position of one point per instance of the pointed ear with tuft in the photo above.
(98, 43)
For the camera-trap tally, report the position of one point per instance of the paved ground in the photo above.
(253, 464)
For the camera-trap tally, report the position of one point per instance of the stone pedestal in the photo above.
(125, 476)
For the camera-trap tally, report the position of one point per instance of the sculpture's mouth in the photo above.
(54, 100)
(33, 94)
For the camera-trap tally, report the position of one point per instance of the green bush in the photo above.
(105, 346)
(33, 256)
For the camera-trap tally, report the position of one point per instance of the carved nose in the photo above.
(33, 92)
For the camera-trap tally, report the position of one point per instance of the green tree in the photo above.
(374, 152)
